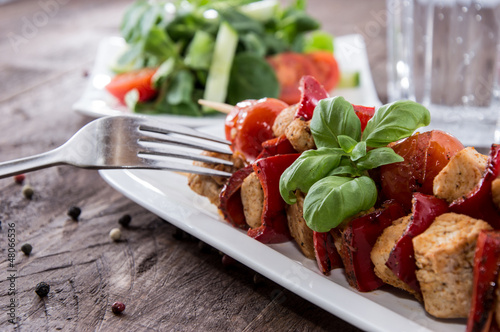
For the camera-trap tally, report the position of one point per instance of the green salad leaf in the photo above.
(188, 30)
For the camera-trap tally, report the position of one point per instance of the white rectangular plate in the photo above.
(168, 195)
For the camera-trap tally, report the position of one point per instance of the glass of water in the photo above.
(444, 54)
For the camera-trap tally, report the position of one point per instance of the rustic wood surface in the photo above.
(167, 279)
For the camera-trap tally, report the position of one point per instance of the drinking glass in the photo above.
(444, 54)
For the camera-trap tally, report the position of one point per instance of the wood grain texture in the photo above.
(168, 282)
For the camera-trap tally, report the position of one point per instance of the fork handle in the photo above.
(28, 164)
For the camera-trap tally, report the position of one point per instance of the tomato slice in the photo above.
(425, 155)
(140, 79)
(289, 68)
(328, 70)
(250, 124)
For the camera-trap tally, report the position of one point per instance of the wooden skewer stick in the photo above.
(220, 107)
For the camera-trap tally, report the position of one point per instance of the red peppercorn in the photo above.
(19, 179)
(117, 307)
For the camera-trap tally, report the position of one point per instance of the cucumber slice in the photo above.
(222, 60)
(261, 10)
(349, 80)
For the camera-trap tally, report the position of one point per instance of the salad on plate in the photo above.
(361, 189)
(180, 51)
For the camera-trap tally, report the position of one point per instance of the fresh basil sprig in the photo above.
(334, 176)
(335, 198)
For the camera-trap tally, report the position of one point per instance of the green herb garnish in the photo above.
(335, 176)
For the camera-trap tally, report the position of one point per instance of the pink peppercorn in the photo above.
(19, 179)
(118, 307)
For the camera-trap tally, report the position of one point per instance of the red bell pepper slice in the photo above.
(364, 114)
(479, 204)
(401, 259)
(230, 198)
(486, 269)
(274, 228)
(358, 239)
(326, 253)
(275, 146)
(311, 93)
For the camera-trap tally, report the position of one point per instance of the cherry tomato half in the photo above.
(425, 155)
(328, 69)
(289, 68)
(140, 79)
(250, 123)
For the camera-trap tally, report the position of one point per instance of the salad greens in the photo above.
(212, 49)
(335, 176)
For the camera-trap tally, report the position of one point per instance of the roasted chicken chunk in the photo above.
(461, 175)
(299, 230)
(382, 249)
(210, 186)
(444, 255)
(284, 119)
(252, 198)
(300, 136)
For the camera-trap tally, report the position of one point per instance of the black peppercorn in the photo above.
(42, 289)
(125, 220)
(74, 212)
(26, 248)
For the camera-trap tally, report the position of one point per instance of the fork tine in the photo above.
(162, 127)
(165, 152)
(178, 167)
(185, 143)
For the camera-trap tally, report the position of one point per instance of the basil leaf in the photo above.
(346, 168)
(378, 157)
(346, 143)
(359, 151)
(395, 121)
(335, 198)
(311, 166)
(333, 117)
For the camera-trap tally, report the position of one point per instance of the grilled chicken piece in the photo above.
(461, 175)
(301, 233)
(284, 119)
(210, 186)
(444, 254)
(300, 136)
(382, 249)
(252, 198)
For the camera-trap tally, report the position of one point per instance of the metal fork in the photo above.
(127, 142)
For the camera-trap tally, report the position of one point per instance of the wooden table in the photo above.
(167, 279)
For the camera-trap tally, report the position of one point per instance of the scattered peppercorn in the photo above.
(203, 246)
(28, 191)
(117, 307)
(125, 220)
(74, 212)
(257, 279)
(228, 260)
(19, 178)
(115, 234)
(26, 248)
(42, 289)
